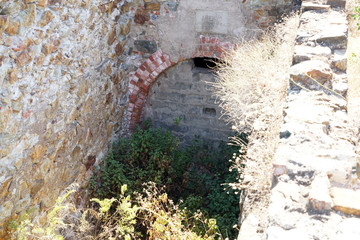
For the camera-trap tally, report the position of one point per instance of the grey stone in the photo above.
(336, 3)
(307, 6)
(308, 73)
(304, 53)
(340, 59)
(145, 46)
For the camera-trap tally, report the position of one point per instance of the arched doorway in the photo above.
(184, 91)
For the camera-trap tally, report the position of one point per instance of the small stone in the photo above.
(24, 58)
(41, 3)
(37, 153)
(125, 7)
(338, 176)
(13, 76)
(36, 188)
(50, 47)
(6, 210)
(346, 200)
(4, 20)
(340, 59)
(119, 49)
(29, 16)
(319, 196)
(141, 16)
(46, 18)
(111, 37)
(13, 27)
(145, 46)
(152, 6)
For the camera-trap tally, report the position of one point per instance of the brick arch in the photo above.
(145, 76)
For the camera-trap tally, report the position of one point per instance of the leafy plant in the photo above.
(193, 176)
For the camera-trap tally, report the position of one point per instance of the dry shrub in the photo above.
(251, 88)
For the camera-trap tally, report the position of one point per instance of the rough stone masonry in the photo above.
(75, 74)
(315, 190)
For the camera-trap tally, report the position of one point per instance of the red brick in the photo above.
(211, 48)
(203, 39)
(142, 67)
(163, 59)
(132, 98)
(137, 74)
(151, 58)
(213, 40)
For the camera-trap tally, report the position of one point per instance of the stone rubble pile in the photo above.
(315, 192)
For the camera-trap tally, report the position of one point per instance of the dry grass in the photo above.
(251, 87)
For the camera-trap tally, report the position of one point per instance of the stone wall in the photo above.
(61, 95)
(75, 74)
(185, 91)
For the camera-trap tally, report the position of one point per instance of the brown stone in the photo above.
(119, 49)
(112, 37)
(46, 18)
(141, 16)
(30, 17)
(13, 27)
(53, 2)
(37, 186)
(152, 6)
(24, 58)
(125, 8)
(4, 187)
(50, 47)
(13, 76)
(42, 3)
(4, 21)
(40, 59)
(125, 28)
(37, 153)
(346, 200)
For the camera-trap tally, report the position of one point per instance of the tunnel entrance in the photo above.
(184, 91)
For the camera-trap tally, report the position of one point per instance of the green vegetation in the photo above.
(173, 192)
(194, 177)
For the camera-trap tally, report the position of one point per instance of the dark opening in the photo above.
(208, 63)
(209, 111)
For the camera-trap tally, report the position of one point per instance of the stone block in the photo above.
(303, 53)
(346, 200)
(145, 46)
(308, 6)
(319, 196)
(152, 6)
(340, 60)
(308, 71)
(336, 3)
